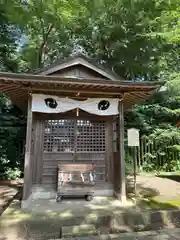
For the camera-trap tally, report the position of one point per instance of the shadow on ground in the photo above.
(148, 198)
(118, 219)
(47, 225)
(8, 192)
(172, 176)
(140, 189)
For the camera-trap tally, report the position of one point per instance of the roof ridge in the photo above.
(81, 55)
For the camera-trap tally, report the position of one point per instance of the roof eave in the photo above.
(18, 86)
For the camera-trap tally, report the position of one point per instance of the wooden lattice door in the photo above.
(81, 141)
(59, 136)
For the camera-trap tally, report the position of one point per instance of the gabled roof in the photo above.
(79, 59)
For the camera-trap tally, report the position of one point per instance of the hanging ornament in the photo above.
(70, 177)
(62, 177)
(82, 177)
(91, 177)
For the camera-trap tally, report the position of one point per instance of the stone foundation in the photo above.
(42, 192)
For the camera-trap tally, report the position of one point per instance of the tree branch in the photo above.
(41, 48)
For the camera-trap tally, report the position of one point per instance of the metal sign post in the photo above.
(133, 141)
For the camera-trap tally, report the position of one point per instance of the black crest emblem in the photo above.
(50, 102)
(103, 105)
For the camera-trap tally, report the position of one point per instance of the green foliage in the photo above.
(9, 34)
(149, 166)
(138, 39)
(157, 120)
(47, 35)
(169, 19)
(11, 118)
(128, 163)
(117, 33)
(12, 173)
(165, 151)
(114, 32)
(12, 134)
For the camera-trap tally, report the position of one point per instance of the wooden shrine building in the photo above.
(84, 129)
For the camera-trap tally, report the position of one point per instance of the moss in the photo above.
(159, 203)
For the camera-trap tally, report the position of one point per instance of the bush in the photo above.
(128, 164)
(12, 174)
(160, 151)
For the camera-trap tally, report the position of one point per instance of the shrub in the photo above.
(12, 173)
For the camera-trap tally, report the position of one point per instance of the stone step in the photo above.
(78, 230)
(128, 221)
(168, 234)
(95, 219)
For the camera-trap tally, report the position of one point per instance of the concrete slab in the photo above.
(76, 205)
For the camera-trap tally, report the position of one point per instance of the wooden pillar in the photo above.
(27, 163)
(122, 193)
(109, 151)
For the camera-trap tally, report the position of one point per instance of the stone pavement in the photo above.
(171, 234)
(41, 234)
(16, 224)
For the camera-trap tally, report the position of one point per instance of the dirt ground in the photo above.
(152, 185)
(8, 191)
(16, 222)
(159, 185)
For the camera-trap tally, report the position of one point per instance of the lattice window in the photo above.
(59, 136)
(74, 136)
(90, 136)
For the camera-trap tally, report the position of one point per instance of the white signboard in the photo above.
(133, 137)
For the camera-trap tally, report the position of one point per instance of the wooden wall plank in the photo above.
(110, 140)
(51, 161)
(78, 71)
(41, 149)
(38, 150)
(33, 150)
(70, 115)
